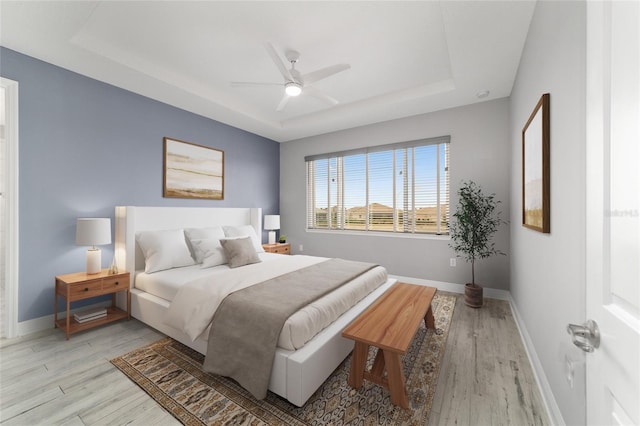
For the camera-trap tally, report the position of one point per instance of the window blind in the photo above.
(402, 188)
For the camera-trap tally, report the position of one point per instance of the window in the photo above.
(401, 188)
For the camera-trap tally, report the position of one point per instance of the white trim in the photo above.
(492, 293)
(46, 322)
(12, 222)
(538, 372)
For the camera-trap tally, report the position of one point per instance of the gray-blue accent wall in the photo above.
(86, 146)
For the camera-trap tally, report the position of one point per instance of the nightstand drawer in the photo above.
(113, 284)
(85, 289)
(278, 248)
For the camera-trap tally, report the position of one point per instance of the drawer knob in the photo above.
(117, 283)
(86, 289)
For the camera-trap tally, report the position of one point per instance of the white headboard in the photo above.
(130, 220)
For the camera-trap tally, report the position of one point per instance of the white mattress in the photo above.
(165, 284)
(301, 326)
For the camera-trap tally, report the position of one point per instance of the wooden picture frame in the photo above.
(536, 168)
(192, 171)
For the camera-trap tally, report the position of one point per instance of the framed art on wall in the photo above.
(535, 168)
(192, 171)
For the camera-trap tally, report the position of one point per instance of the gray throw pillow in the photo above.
(239, 251)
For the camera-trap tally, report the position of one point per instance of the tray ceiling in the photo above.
(406, 58)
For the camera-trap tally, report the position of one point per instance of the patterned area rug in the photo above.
(171, 373)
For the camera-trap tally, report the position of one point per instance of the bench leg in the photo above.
(429, 320)
(396, 379)
(378, 364)
(358, 364)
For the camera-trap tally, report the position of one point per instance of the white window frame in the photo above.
(399, 228)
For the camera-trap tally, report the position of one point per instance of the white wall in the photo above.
(480, 150)
(547, 270)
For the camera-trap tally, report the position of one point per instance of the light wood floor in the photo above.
(485, 377)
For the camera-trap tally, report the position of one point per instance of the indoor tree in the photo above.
(474, 224)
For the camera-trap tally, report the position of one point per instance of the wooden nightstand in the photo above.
(280, 248)
(79, 286)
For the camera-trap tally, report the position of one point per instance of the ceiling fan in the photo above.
(295, 83)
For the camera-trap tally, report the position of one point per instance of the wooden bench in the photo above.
(389, 324)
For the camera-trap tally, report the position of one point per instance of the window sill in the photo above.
(446, 237)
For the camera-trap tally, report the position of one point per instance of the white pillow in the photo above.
(203, 234)
(164, 250)
(209, 252)
(244, 231)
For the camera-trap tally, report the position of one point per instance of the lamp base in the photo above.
(272, 237)
(94, 261)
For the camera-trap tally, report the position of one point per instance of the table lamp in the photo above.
(93, 232)
(271, 224)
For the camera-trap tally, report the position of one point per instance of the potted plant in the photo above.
(474, 224)
(282, 239)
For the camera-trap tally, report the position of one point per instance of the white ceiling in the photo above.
(406, 58)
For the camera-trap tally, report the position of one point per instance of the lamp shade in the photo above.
(271, 222)
(93, 231)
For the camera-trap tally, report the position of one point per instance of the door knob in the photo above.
(586, 336)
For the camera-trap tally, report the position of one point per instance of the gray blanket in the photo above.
(246, 326)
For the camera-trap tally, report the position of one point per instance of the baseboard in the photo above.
(555, 416)
(492, 293)
(45, 322)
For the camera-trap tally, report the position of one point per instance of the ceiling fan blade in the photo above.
(283, 103)
(314, 76)
(276, 60)
(252, 84)
(312, 91)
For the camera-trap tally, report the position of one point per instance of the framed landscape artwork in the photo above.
(192, 171)
(535, 168)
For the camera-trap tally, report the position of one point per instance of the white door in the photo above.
(3, 161)
(613, 211)
(9, 207)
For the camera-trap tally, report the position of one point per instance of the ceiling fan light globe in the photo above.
(292, 89)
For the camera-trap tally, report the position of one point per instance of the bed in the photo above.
(296, 373)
